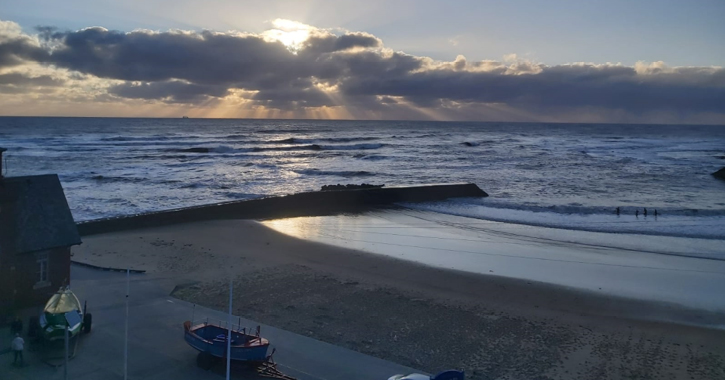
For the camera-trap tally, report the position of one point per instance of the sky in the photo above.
(522, 60)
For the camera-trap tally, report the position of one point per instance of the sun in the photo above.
(291, 34)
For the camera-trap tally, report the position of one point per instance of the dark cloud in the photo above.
(371, 65)
(291, 98)
(210, 61)
(191, 67)
(327, 43)
(301, 93)
(608, 86)
(22, 80)
(203, 58)
(21, 83)
(15, 50)
(170, 91)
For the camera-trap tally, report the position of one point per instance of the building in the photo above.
(36, 233)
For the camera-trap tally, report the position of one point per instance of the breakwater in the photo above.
(314, 203)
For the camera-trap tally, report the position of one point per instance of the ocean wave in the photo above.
(261, 165)
(708, 225)
(98, 178)
(146, 144)
(242, 195)
(236, 136)
(291, 140)
(534, 166)
(161, 157)
(148, 138)
(353, 147)
(292, 131)
(344, 173)
(489, 142)
(210, 149)
(313, 147)
(372, 157)
(299, 140)
(288, 148)
(580, 209)
(102, 178)
(227, 149)
(122, 202)
(666, 167)
(349, 139)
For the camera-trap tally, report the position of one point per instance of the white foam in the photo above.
(712, 227)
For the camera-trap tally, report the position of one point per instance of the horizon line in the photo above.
(363, 120)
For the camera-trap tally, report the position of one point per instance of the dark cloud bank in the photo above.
(193, 67)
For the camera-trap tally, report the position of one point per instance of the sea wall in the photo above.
(302, 204)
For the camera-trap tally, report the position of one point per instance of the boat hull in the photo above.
(211, 339)
(53, 327)
(62, 311)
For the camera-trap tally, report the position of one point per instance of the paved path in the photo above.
(156, 346)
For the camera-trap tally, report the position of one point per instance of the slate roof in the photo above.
(34, 215)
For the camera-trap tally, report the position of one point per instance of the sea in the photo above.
(566, 176)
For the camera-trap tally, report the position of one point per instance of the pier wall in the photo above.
(315, 203)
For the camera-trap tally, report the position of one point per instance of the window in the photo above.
(42, 274)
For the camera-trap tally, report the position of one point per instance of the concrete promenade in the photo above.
(156, 346)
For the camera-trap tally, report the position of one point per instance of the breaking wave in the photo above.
(298, 140)
(307, 147)
(705, 224)
(358, 173)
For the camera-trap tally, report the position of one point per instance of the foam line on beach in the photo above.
(707, 225)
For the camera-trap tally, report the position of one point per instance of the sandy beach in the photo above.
(421, 316)
(519, 191)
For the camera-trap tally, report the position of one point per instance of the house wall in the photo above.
(5, 288)
(20, 281)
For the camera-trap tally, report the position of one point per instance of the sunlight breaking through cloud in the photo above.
(291, 34)
(298, 70)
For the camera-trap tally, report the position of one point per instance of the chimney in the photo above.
(1, 162)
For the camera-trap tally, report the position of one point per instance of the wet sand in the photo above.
(678, 270)
(417, 315)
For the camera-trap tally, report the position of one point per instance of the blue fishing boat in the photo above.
(211, 341)
(214, 342)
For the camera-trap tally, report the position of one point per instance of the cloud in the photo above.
(22, 83)
(16, 47)
(171, 91)
(203, 58)
(607, 86)
(348, 41)
(21, 79)
(297, 67)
